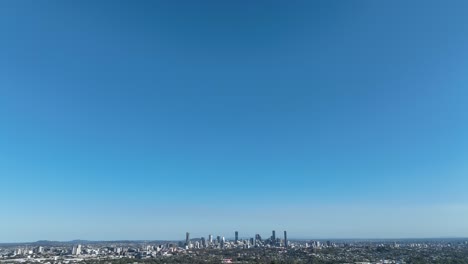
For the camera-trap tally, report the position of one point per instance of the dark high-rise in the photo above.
(203, 242)
(187, 238)
(273, 235)
(236, 236)
(258, 237)
(285, 239)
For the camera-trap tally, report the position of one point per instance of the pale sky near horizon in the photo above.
(147, 119)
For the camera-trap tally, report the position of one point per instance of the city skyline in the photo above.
(207, 239)
(243, 251)
(234, 237)
(142, 120)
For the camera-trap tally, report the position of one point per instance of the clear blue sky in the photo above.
(147, 119)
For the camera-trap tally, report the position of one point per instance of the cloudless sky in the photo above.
(147, 119)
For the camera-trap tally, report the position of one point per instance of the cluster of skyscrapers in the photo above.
(221, 242)
(76, 250)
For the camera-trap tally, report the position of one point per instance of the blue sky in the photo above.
(144, 120)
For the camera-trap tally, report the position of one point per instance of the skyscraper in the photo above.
(273, 235)
(187, 238)
(203, 242)
(76, 250)
(258, 237)
(285, 239)
(236, 237)
(210, 239)
(39, 250)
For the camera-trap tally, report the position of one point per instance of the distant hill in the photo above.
(80, 241)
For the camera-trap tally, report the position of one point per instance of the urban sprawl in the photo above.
(272, 249)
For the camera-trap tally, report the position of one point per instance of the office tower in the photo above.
(203, 242)
(218, 240)
(187, 238)
(273, 235)
(252, 242)
(258, 237)
(40, 250)
(210, 239)
(285, 239)
(223, 241)
(237, 237)
(76, 250)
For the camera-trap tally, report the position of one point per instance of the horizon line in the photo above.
(231, 238)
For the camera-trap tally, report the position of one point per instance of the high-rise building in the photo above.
(203, 242)
(210, 239)
(236, 237)
(258, 237)
(187, 238)
(273, 235)
(218, 240)
(76, 250)
(285, 239)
